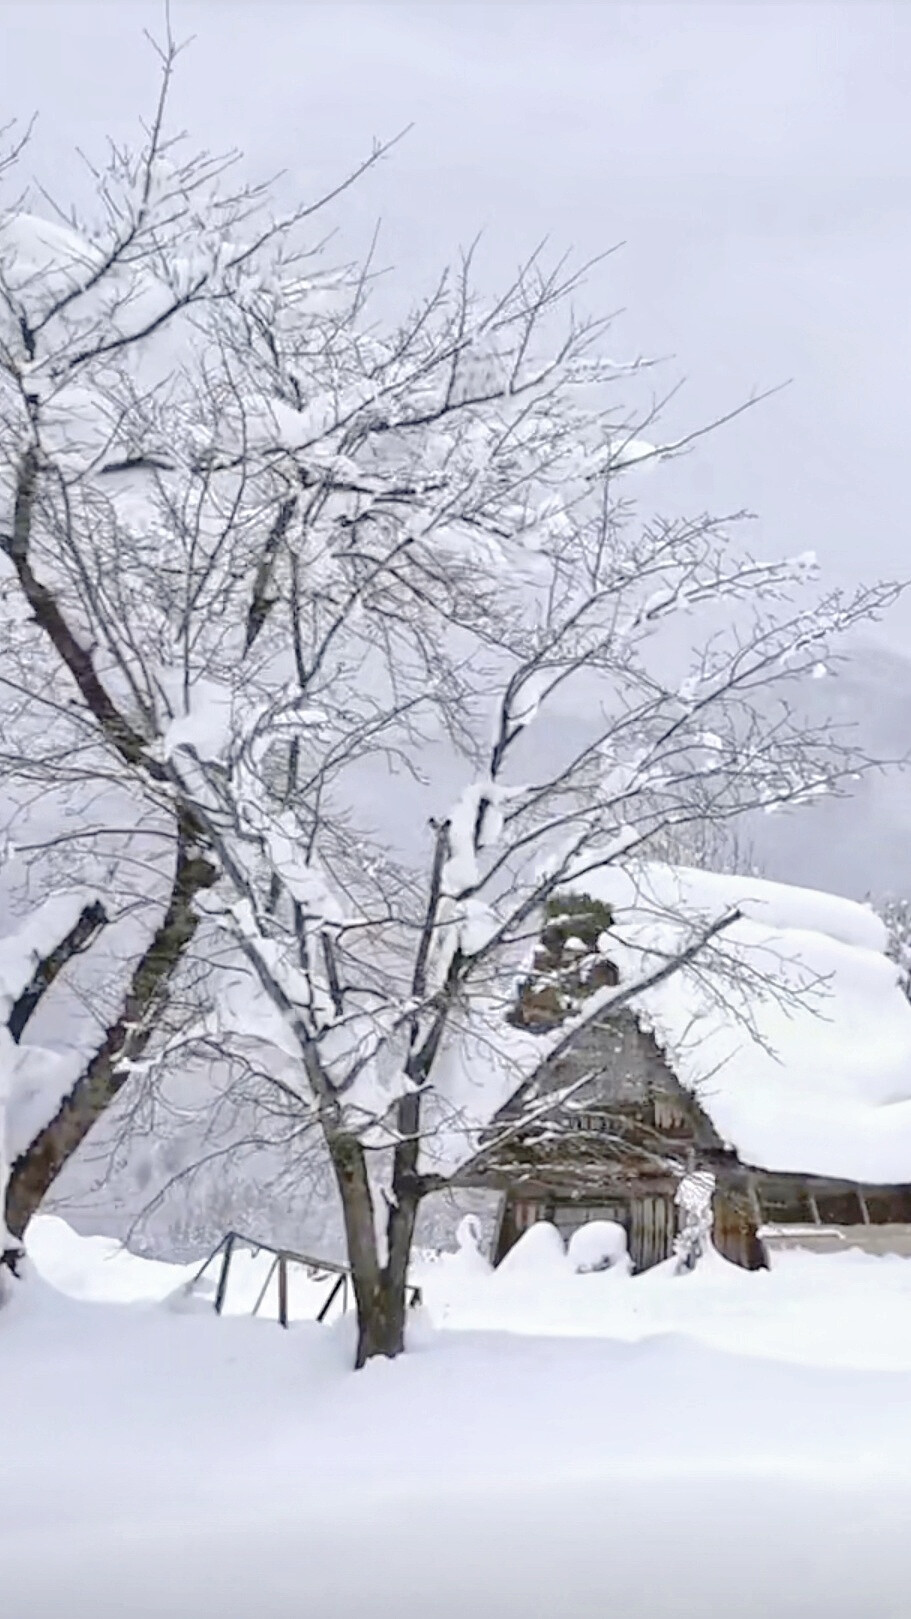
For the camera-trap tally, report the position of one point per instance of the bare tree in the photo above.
(365, 623)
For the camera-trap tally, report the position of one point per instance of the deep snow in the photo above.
(160, 1463)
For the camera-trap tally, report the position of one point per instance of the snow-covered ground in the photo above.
(848, 1310)
(851, 1310)
(575, 1445)
(101, 1269)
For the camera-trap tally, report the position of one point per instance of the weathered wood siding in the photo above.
(629, 1069)
(650, 1222)
(616, 1152)
(651, 1232)
(735, 1232)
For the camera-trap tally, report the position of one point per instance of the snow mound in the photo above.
(99, 1269)
(470, 1256)
(539, 1253)
(599, 1245)
(40, 253)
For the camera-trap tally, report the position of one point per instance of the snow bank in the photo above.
(847, 1310)
(102, 1270)
(565, 1458)
(98, 1268)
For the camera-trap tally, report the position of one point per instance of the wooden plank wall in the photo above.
(735, 1234)
(651, 1223)
(652, 1227)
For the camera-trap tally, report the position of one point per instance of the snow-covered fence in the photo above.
(317, 1271)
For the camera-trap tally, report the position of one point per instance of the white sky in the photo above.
(754, 158)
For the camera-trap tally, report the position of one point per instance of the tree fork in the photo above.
(380, 1302)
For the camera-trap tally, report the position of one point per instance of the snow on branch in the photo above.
(31, 958)
(92, 918)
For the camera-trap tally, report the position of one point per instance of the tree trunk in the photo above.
(380, 1291)
(383, 1308)
(35, 1171)
(381, 1328)
(381, 1323)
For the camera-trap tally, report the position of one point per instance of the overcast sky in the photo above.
(755, 160)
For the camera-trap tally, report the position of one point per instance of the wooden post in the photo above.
(265, 1287)
(223, 1278)
(340, 1284)
(283, 1289)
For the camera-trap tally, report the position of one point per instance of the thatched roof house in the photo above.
(781, 1062)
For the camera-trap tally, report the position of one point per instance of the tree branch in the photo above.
(35, 1171)
(48, 616)
(91, 920)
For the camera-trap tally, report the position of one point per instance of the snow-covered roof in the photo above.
(793, 1033)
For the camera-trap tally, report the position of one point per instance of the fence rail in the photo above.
(338, 1276)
